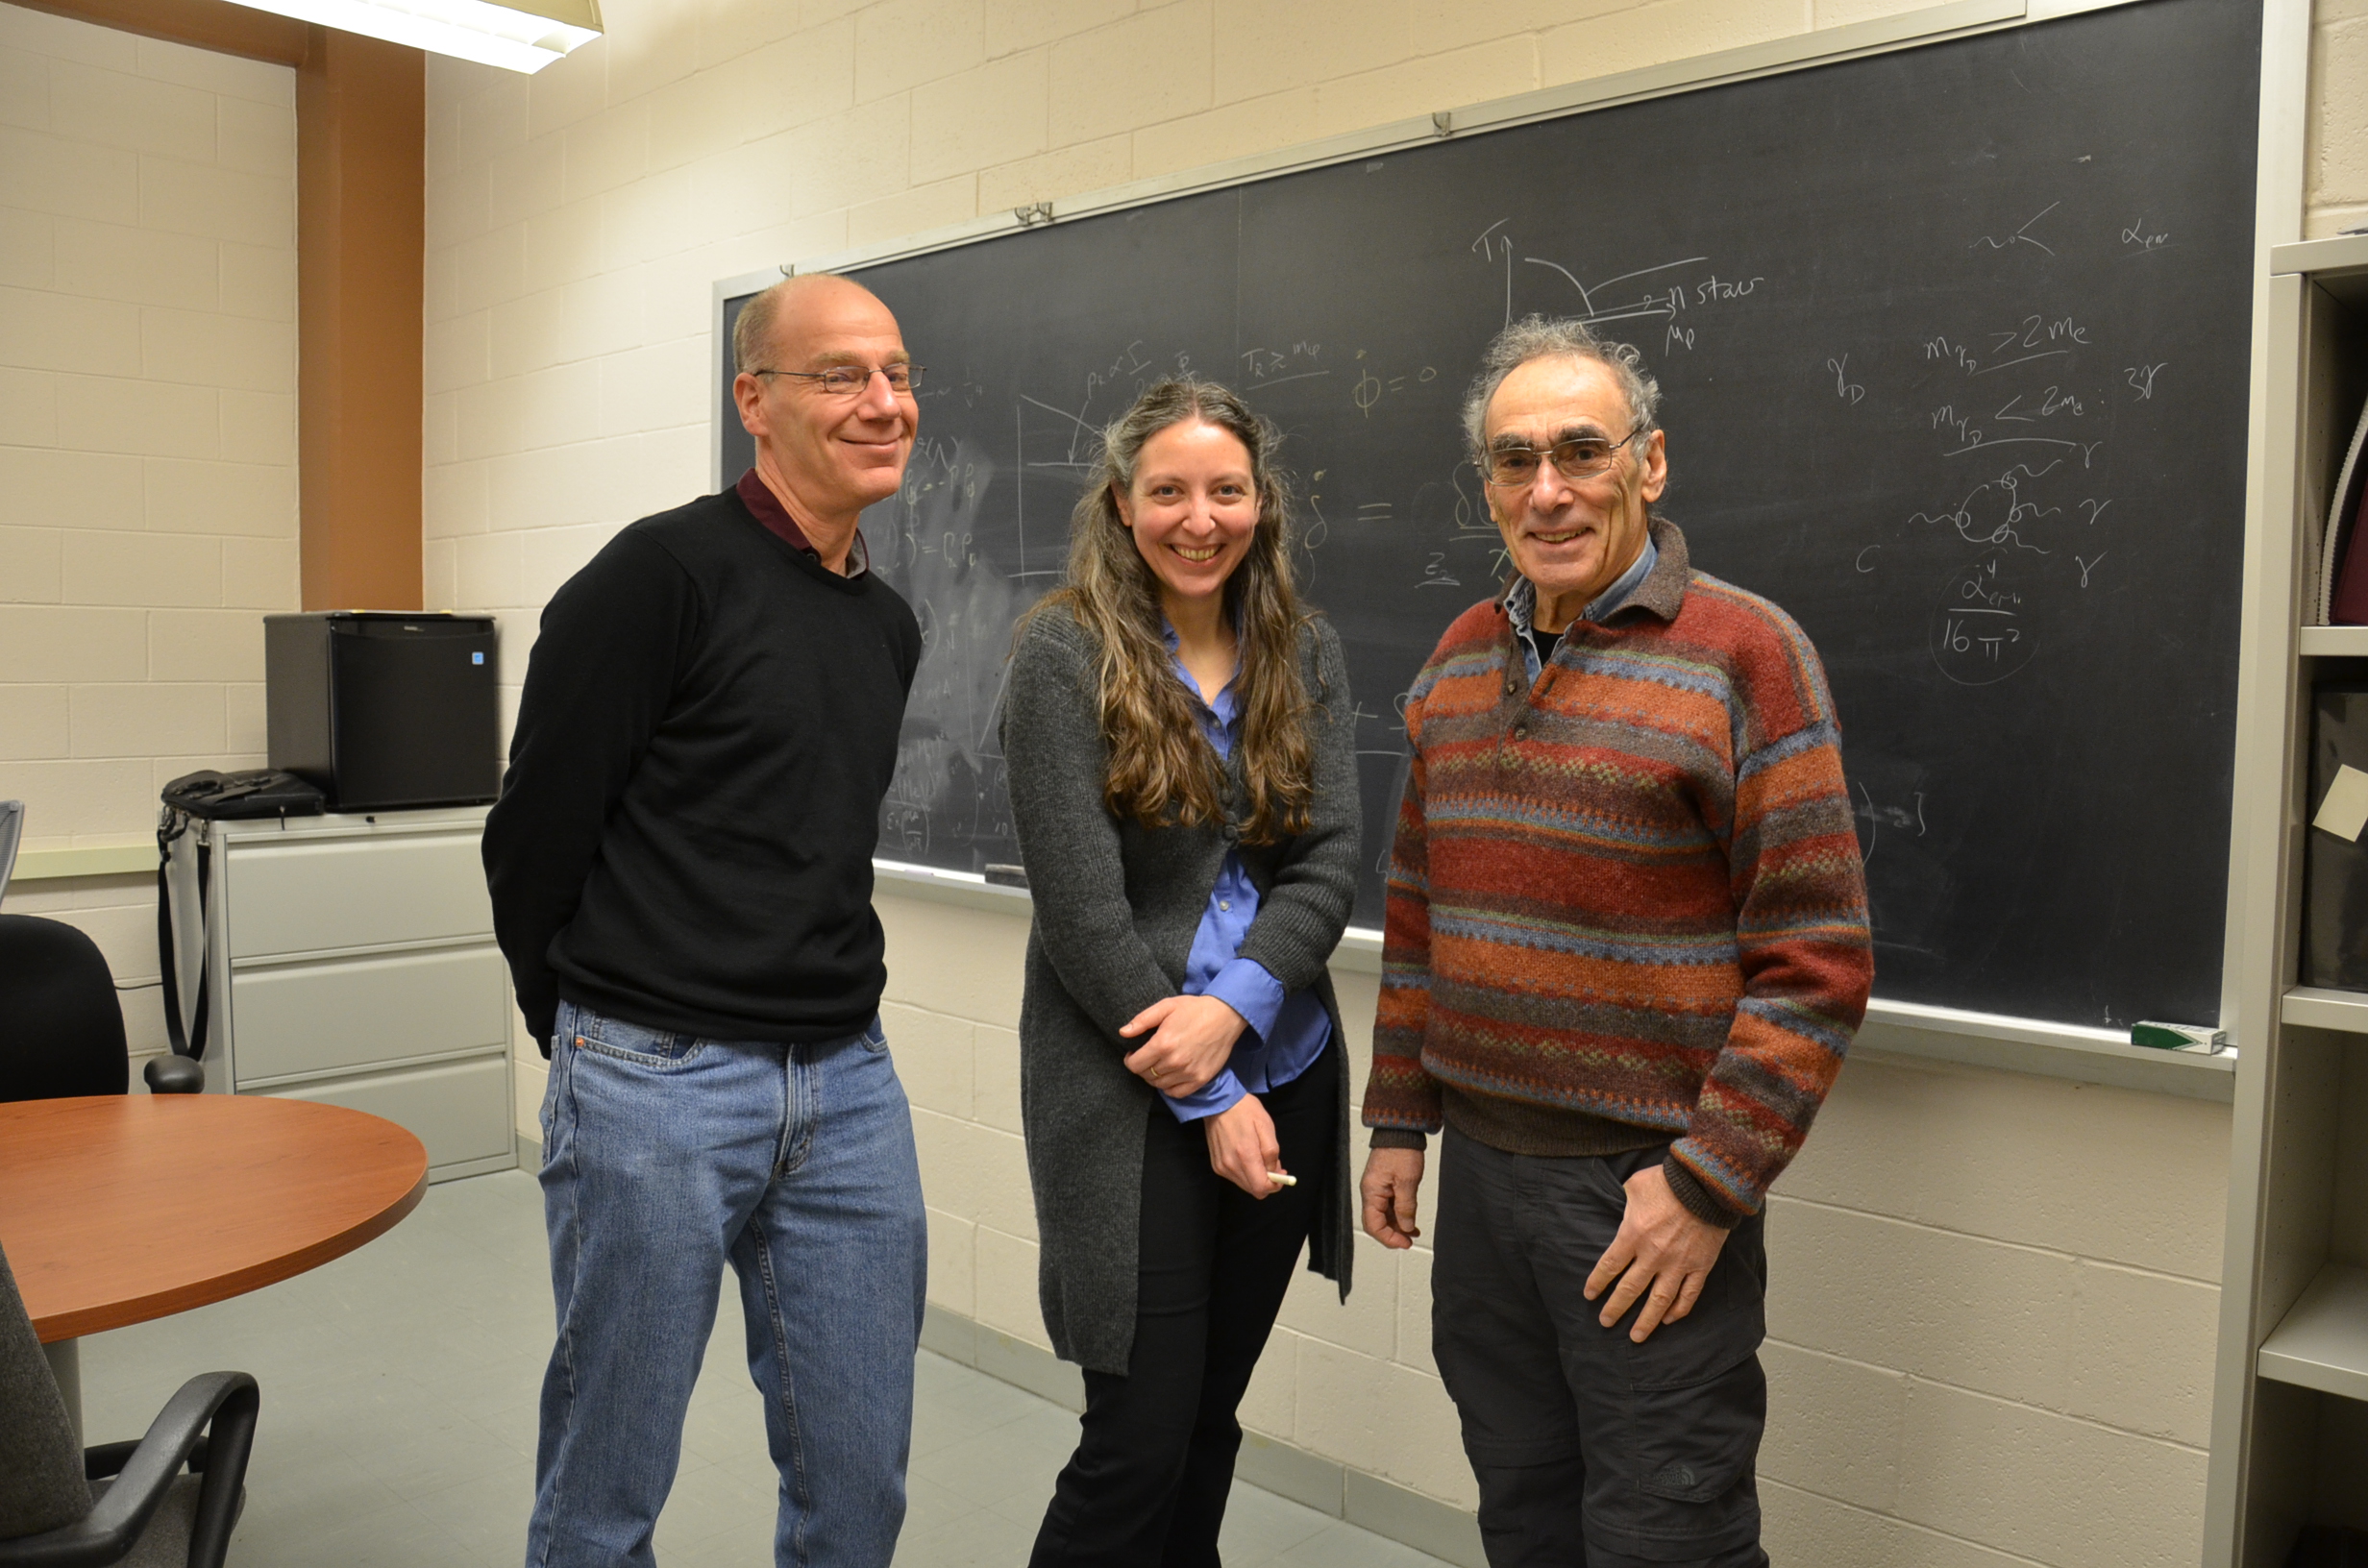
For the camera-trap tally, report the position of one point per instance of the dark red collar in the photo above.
(765, 507)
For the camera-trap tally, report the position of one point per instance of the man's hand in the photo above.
(1392, 1177)
(1192, 1039)
(1663, 1249)
(1242, 1146)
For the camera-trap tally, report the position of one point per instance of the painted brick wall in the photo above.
(2335, 168)
(1991, 1306)
(147, 439)
(1994, 1295)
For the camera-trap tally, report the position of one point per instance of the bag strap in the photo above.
(172, 826)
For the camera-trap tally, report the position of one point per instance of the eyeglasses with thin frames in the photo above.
(1580, 457)
(845, 380)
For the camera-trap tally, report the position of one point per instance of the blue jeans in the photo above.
(664, 1156)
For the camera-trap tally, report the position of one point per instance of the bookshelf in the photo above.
(2290, 1407)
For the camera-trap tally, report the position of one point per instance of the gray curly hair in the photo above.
(1536, 338)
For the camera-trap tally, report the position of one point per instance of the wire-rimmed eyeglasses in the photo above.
(845, 381)
(1580, 457)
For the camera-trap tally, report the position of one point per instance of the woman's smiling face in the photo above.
(1191, 509)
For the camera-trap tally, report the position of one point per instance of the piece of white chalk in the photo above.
(1281, 1180)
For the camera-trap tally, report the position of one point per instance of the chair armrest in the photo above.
(107, 1533)
(174, 1075)
(101, 1460)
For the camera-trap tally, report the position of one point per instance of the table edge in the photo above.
(75, 1323)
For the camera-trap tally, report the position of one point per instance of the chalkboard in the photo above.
(1954, 342)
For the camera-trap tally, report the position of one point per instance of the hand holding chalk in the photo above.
(1243, 1148)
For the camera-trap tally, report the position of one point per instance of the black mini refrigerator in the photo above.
(385, 710)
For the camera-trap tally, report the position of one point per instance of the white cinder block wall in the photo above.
(147, 440)
(1994, 1295)
(1992, 1310)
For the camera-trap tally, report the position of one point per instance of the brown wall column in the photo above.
(362, 142)
(362, 176)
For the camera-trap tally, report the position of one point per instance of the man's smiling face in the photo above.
(838, 453)
(1571, 538)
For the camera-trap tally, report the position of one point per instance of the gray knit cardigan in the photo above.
(1116, 907)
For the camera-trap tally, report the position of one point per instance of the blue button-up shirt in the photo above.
(1287, 1031)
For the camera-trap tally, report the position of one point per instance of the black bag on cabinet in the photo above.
(258, 792)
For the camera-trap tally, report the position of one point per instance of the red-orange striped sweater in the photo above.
(1627, 903)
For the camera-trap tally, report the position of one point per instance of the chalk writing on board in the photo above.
(1995, 510)
(1722, 290)
(2034, 432)
(1265, 367)
(1492, 247)
(1980, 635)
(1663, 301)
(2036, 332)
(2035, 337)
(2020, 236)
(1908, 217)
(1907, 819)
(947, 790)
(2028, 409)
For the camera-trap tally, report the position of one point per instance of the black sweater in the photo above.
(684, 836)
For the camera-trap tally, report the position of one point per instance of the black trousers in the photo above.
(1592, 1451)
(1156, 1446)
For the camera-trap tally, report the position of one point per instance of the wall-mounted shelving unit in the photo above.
(2290, 1411)
(2332, 642)
(2322, 1343)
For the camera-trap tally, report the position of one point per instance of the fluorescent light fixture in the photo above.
(503, 35)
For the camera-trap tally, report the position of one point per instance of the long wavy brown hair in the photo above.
(1161, 770)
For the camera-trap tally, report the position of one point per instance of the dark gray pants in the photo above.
(1592, 1451)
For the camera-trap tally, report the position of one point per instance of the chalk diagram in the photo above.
(2010, 409)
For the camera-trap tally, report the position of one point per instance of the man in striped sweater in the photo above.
(1627, 947)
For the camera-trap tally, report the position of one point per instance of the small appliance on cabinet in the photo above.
(385, 710)
(349, 956)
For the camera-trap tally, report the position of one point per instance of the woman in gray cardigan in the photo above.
(1180, 747)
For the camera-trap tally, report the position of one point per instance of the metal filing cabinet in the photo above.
(352, 961)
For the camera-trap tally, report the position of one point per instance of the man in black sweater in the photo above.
(681, 878)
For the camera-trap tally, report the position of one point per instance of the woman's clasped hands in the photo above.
(1192, 1038)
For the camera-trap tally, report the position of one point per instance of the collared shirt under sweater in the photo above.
(1625, 901)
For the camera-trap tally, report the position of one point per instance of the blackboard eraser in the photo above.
(2180, 1037)
(1007, 876)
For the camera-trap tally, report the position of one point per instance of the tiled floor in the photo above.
(398, 1419)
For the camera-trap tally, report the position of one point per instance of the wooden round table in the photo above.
(117, 1209)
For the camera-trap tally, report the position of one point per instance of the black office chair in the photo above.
(118, 1502)
(61, 1026)
(11, 834)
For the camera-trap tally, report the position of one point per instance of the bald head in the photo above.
(827, 451)
(755, 337)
